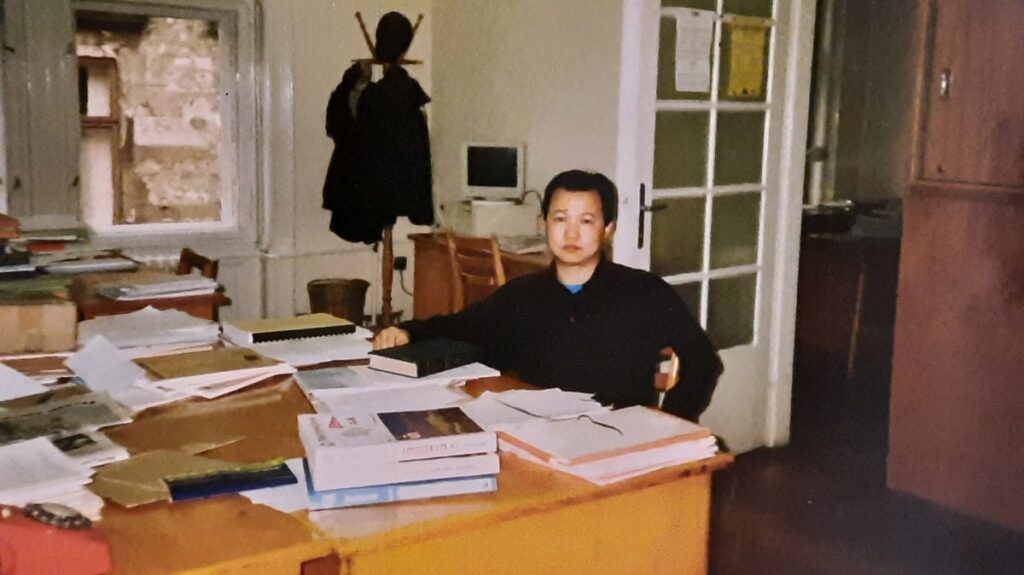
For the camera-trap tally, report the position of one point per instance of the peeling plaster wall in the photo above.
(169, 78)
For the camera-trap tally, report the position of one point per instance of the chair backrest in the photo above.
(668, 373)
(476, 268)
(190, 260)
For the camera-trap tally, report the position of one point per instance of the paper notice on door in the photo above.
(695, 30)
(747, 39)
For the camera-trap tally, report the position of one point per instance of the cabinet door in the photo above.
(972, 127)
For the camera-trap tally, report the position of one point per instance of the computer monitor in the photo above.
(492, 171)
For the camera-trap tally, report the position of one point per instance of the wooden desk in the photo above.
(432, 283)
(538, 520)
(223, 534)
(91, 304)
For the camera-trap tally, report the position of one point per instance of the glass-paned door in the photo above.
(710, 134)
(712, 114)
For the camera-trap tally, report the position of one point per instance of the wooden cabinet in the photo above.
(972, 116)
(957, 392)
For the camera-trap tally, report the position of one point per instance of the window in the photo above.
(148, 125)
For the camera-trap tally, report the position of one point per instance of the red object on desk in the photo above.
(31, 547)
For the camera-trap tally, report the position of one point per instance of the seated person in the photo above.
(586, 323)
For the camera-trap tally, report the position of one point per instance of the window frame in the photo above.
(237, 22)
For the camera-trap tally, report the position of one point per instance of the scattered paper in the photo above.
(88, 411)
(149, 327)
(35, 470)
(389, 400)
(695, 30)
(14, 384)
(461, 374)
(549, 403)
(103, 367)
(314, 350)
(90, 448)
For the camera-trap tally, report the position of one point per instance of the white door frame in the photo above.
(781, 219)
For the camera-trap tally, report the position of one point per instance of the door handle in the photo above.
(644, 208)
(945, 82)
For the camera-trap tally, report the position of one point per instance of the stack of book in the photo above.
(15, 265)
(363, 458)
(609, 447)
(48, 241)
(164, 286)
(104, 261)
(8, 229)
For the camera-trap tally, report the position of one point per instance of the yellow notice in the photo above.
(746, 57)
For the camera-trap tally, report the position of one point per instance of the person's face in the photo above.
(575, 227)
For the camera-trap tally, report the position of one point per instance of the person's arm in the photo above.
(699, 364)
(474, 324)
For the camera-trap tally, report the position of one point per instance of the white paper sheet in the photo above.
(14, 384)
(459, 374)
(149, 326)
(549, 403)
(389, 399)
(103, 367)
(35, 468)
(314, 350)
(695, 30)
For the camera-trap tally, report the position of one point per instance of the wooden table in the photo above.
(91, 304)
(538, 520)
(432, 291)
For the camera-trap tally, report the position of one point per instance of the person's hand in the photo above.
(390, 337)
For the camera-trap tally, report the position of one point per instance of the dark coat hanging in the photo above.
(380, 168)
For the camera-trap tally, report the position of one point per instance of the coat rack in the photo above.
(387, 271)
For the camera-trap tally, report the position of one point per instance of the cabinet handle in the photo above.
(945, 80)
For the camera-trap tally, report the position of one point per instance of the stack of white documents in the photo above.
(609, 447)
(35, 471)
(150, 327)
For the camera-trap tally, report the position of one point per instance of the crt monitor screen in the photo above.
(492, 167)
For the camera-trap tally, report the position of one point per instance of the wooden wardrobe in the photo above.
(957, 409)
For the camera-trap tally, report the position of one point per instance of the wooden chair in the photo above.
(668, 373)
(190, 260)
(476, 268)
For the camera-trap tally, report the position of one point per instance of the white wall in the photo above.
(308, 45)
(533, 71)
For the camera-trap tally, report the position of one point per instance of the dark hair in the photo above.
(583, 181)
(394, 35)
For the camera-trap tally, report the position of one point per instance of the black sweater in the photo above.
(604, 340)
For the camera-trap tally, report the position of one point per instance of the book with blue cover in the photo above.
(387, 493)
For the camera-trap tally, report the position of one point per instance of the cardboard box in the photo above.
(30, 325)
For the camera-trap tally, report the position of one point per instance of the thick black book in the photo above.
(425, 357)
(13, 259)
